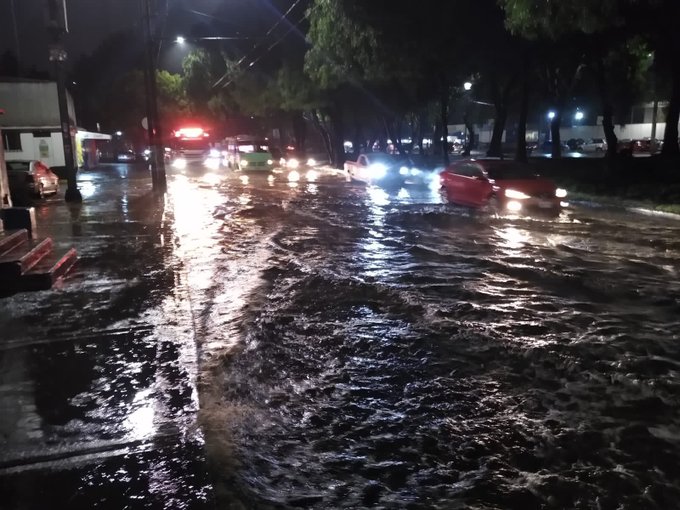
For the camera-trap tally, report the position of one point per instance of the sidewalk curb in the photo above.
(629, 208)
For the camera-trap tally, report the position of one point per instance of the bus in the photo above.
(246, 152)
(191, 144)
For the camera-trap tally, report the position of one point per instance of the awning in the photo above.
(87, 135)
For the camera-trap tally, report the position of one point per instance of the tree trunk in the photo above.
(555, 124)
(670, 140)
(323, 132)
(521, 148)
(609, 134)
(471, 134)
(444, 119)
(422, 120)
(299, 130)
(392, 134)
(607, 112)
(337, 137)
(496, 145)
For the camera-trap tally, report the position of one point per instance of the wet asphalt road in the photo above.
(342, 347)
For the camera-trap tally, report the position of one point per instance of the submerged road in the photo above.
(268, 343)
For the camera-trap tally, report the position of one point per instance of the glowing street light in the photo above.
(551, 115)
(119, 133)
(579, 115)
(180, 39)
(467, 86)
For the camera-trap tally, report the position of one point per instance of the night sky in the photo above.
(90, 21)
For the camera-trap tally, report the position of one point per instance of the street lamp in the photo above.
(119, 133)
(467, 86)
(180, 40)
(551, 115)
(579, 116)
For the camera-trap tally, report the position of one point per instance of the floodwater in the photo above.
(382, 349)
(310, 343)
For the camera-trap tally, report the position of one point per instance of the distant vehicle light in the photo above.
(312, 175)
(179, 164)
(560, 193)
(270, 162)
(293, 163)
(214, 153)
(514, 206)
(311, 162)
(415, 171)
(403, 170)
(564, 204)
(243, 163)
(147, 152)
(377, 170)
(293, 176)
(517, 195)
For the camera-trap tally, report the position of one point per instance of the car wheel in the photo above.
(491, 207)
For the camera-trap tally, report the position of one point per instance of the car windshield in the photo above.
(510, 171)
(193, 144)
(250, 147)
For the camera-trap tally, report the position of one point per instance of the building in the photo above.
(31, 125)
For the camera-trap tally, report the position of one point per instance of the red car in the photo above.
(500, 185)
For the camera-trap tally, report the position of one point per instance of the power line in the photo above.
(257, 46)
(293, 27)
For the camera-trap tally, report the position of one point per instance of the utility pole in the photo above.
(57, 25)
(156, 145)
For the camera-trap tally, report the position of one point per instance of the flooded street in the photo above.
(311, 343)
(384, 349)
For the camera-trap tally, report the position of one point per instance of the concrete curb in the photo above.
(634, 209)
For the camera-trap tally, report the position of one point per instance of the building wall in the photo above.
(628, 132)
(49, 149)
(32, 104)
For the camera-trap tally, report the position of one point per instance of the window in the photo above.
(11, 140)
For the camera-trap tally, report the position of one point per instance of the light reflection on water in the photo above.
(409, 349)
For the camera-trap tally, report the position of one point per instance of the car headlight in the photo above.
(415, 171)
(270, 161)
(560, 193)
(244, 163)
(293, 163)
(311, 162)
(214, 153)
(377, 170)
(403, 170)
(514, 194)
(147, 152)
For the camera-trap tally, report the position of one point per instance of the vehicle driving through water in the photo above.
(247, 152)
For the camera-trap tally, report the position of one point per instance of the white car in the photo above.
(594, 145)
(35, 177)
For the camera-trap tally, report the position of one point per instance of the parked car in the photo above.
(31, 177)
(546, 147)
(576, 144)
(595, 145)
(126, 156)
(503, 186)
(377, 168)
